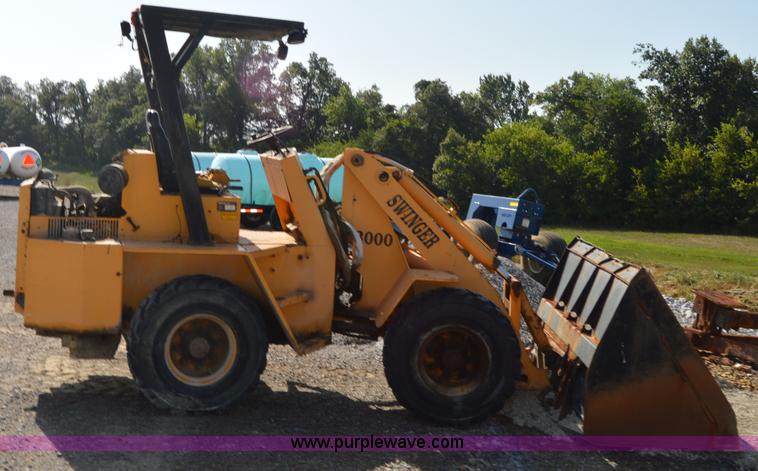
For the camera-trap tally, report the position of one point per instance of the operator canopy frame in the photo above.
(162, 73)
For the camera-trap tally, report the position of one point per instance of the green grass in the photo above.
(682, 262)
(79, 178)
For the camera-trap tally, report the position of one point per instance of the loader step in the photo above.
(296, 297)
(356, 327)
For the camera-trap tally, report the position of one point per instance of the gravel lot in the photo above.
(339, 390)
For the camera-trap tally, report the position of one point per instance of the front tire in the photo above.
(196, 343)
(483, 230)
(552, 245)
(451, 356)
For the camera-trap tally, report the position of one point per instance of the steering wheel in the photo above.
(271, 138)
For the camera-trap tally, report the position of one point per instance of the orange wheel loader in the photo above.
(159, 258)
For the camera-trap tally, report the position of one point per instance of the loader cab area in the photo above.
(155, 220)
(162, 71)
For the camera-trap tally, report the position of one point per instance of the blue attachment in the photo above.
(248, 179)
(515, 220)
(537, 255)
(11, 181)
(509, 250)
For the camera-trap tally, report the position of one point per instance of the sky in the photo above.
(394, 43)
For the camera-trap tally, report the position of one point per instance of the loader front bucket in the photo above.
(626, 360)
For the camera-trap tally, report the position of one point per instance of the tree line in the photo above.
(680, 153)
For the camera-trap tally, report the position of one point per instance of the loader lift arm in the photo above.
(162, 73)
(606, 341)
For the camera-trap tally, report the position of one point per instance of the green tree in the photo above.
(51, 107)
(517, 156)
(378, 113)
(77, 105)
(118, 116)
(346, 115)
(681, 187)
(194, 131)
(415, 135)
(231, 92)
(597, 112)
(304, 92)
(733, 189)
(353, 120)
(201, 79)
(462, 168)
(698, 88)
(18, 120)
(404, 140)
(607, 118)
(504, 101)
(525, 156)
(251, 97)
(436, 110)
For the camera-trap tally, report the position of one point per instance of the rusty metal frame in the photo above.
(717, 312)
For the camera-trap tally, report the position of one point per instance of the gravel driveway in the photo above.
(339, 390)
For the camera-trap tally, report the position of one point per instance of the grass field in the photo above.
(681, 262)
(80, 178)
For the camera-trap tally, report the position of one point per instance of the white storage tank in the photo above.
(5, 161)
(25, 162)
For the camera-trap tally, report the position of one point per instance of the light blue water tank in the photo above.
(249, 182)
(313, 161)
(202, 160)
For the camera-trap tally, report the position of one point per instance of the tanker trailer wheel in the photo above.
(196, 343)
(550, 243)
(451, 356)
(484, 230)
(254, 220)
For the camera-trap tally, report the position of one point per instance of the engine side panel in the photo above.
(73, 286)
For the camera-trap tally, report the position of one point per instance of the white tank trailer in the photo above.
(20, 162)
(5, 162)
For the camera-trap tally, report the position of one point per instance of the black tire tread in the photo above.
(155, 298)
(484, 230)
(251, 223)
(548, 242)
(404, 314)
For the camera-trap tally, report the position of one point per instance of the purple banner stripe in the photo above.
(310, 443)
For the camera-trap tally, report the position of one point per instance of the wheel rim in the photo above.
(533, 266)
(453, 360)
(254, 218)
(200, 350)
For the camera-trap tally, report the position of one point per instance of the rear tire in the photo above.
(252, 221)
(484, 230)
(451, 356)
(550, 243)
(196, 343)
